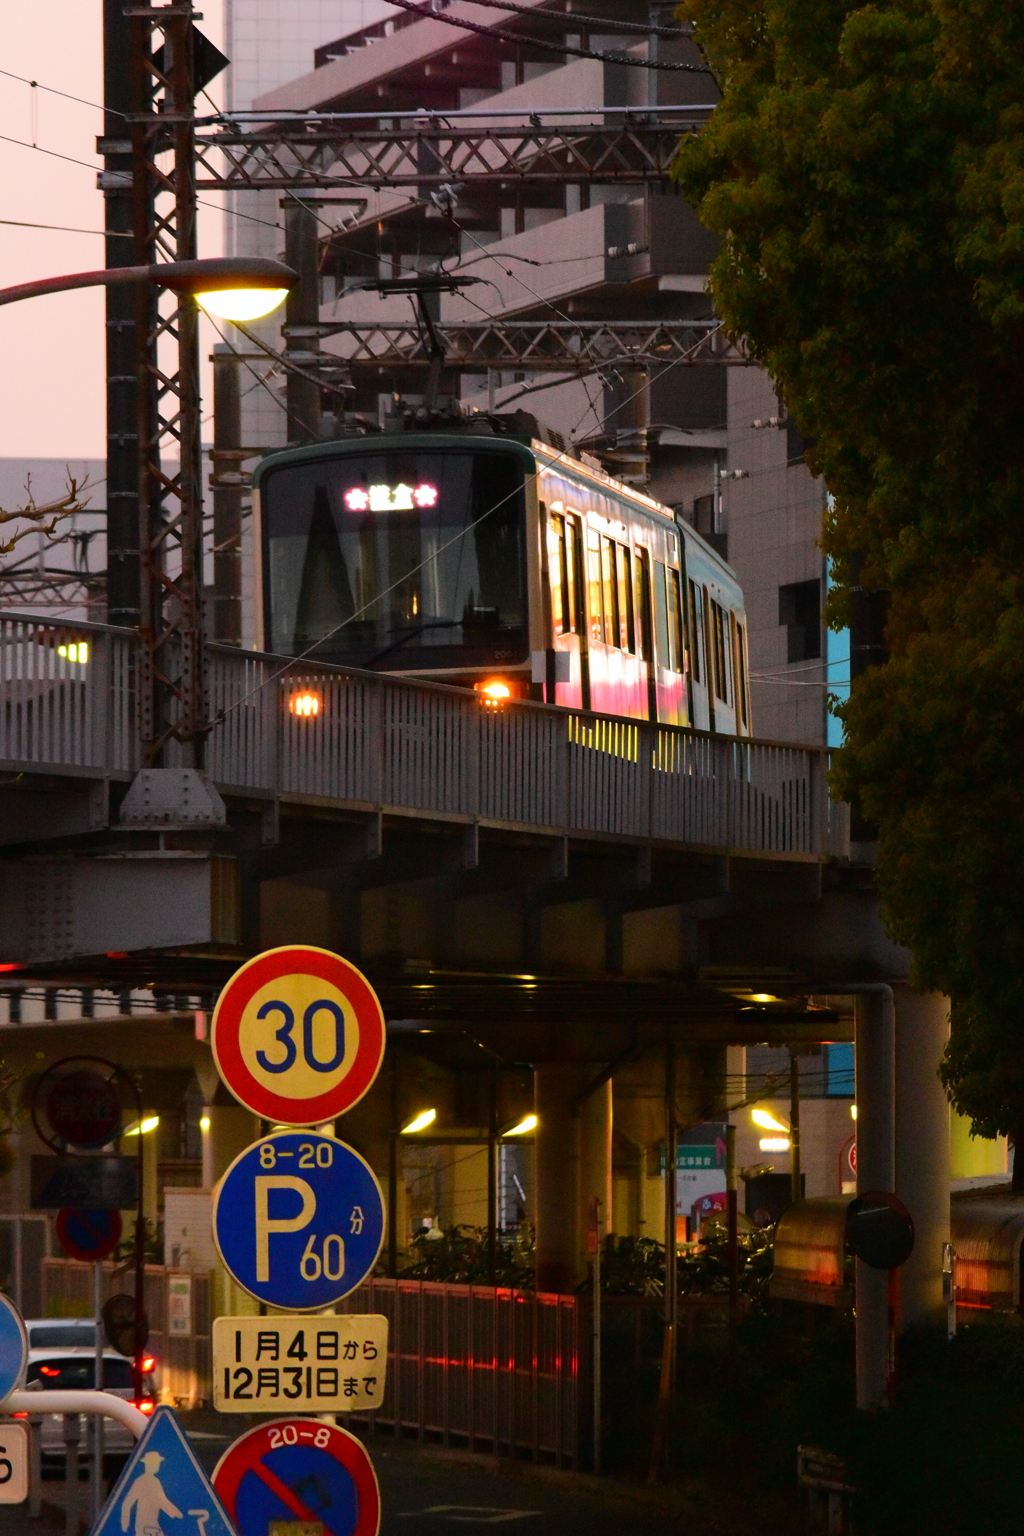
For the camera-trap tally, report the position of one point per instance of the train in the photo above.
(497, 563)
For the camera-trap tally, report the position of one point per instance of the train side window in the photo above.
(594, 586)
(741, 671)
(675, 626)
(557, 574)
(719, 644)
(611, 606)
(644, 637)
(661, 614)
(574, 574)
(627, 635)
(695, 619)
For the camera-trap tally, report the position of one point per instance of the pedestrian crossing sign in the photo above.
(163, 1491)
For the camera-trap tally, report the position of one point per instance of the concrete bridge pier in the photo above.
(572, 1162)
(922, 1149)
(875, 1022)
(903, 1146)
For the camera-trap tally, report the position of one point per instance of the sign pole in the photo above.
(140, 1268)
(97, 1427)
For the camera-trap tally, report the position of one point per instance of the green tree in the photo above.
(865, 172)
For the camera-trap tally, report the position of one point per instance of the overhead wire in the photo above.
(521, 40)
(602, 23)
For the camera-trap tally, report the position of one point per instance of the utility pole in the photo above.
(302, 389)
(122, 313)
(227, 498)
(796, 1189)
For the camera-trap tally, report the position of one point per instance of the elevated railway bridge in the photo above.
(561, 911)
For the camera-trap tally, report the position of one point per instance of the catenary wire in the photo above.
(583, 22)
(540, 42)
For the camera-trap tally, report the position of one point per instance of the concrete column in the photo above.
(876, 1169)
(922, 1148)
(230, 1130)
(150, 1161)
(557, 1159)
(595, 1165)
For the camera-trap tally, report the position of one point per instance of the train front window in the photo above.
(399, 559)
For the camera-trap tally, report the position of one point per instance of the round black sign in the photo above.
(879, 1230)
(119, 1326)
(84, 1108)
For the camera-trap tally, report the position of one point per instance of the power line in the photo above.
(540, 42)
(52, 91)
(67, 229)
(602, 23)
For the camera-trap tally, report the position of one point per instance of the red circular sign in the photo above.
(851, 1156)
(298, 1035)
(88, 1235)
(84, 1108)
(299, 1469)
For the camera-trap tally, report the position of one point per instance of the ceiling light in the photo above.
(147, 1125)
(423, 1119)
(527, 1123)
(768, 1122)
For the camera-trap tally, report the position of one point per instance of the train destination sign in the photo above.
(298, 1035)
(298, 1220)
(307, 1365)
(296, 1470)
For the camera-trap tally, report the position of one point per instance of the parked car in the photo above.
(62, 1357)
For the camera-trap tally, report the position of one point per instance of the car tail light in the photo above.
(147, 1405)
(149, 1362)
(19, 1415)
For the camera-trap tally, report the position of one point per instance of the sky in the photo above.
(51, 382)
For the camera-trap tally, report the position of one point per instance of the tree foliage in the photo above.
(865, 172)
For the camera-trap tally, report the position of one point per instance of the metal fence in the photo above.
(179, 1336)
(492, 1369)
(380, 742)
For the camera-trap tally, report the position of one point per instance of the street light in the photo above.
(230, 287)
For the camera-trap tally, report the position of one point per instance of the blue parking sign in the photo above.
(13, 1347)
(299, 1220)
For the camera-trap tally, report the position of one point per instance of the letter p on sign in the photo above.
(267, 1224)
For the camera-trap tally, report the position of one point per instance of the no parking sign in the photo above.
(298, 1469)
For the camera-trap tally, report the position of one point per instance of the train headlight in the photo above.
(494, 692)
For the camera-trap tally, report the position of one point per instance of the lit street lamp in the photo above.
(230, 287)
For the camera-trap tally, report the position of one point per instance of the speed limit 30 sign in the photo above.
(298, 1035)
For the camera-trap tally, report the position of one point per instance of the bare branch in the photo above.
(46, 519)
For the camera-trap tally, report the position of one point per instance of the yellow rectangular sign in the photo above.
(299, 1364)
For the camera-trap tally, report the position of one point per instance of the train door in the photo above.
(720, 670)
(645, 629)
(700, 714)
(615, 669)
(668, 639)
(739, 668)
(568, 635)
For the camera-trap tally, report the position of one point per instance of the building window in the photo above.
(800, 612)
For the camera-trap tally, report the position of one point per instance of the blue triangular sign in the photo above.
(163, 1491)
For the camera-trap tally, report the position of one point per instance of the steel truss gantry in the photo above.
(430, 152)
(583, 346)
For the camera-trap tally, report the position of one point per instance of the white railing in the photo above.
(379, 742)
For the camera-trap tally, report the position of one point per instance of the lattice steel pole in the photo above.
(170, 682)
